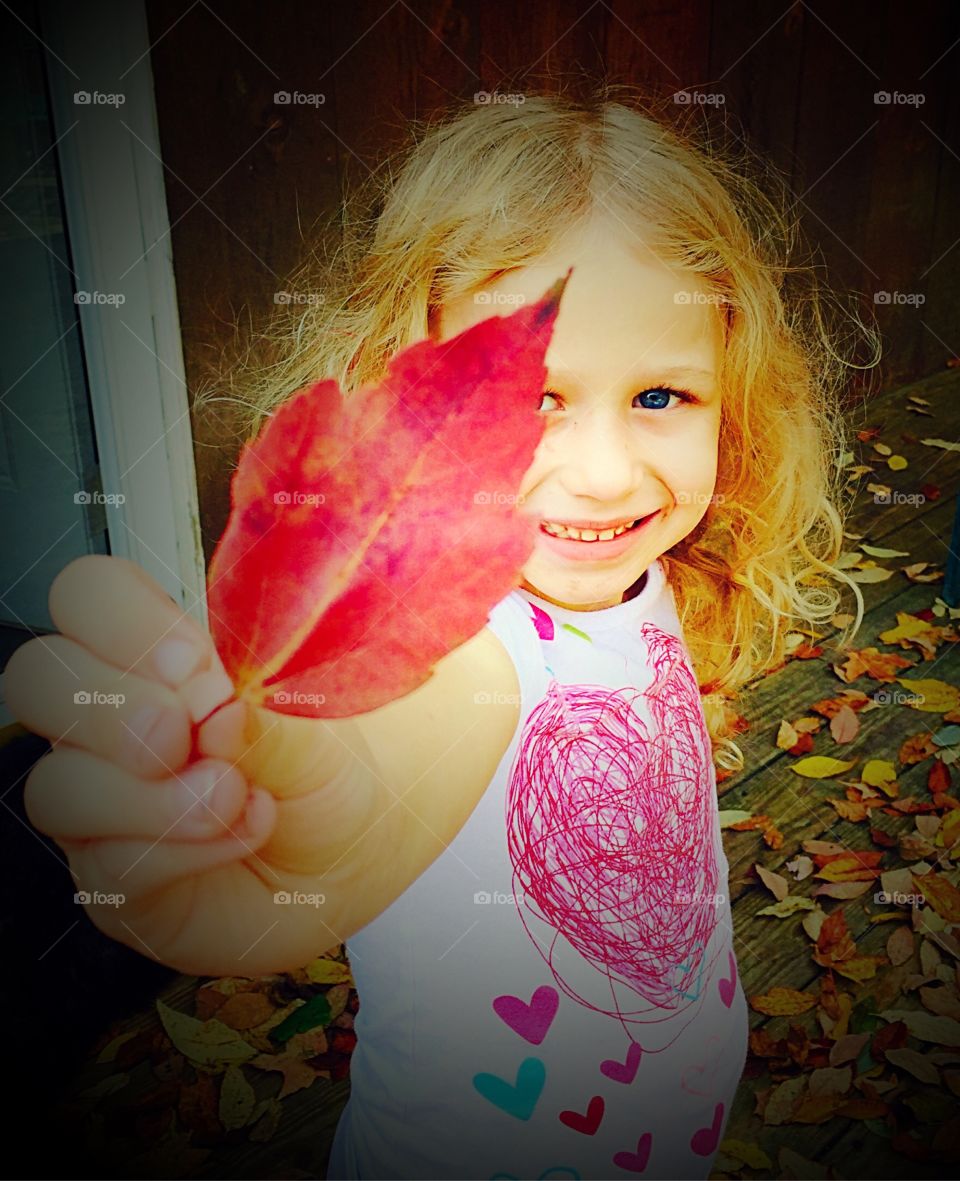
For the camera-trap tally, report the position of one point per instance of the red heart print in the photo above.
(704, 1141)
(727, 986)
(588, 1123)
(530, 1021)
(623, 1072)
(636, 1162)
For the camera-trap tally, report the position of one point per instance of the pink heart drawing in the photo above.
(623, 1072)
(704, 1141)
(530, 1021)
(728, 986)
(636, 1162)
(697, 1079)
(588, 1123)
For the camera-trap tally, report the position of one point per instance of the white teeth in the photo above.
(568, 531)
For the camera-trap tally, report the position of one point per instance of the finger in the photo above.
(136, 868)
(124, 616)
(58, 689)
(71, 794)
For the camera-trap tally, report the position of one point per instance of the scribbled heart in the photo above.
(517, 1099)
(704, 1141)
(530, 1021)
(728, 985)
(588, 1123)
(623, 1072)
(636, 1162)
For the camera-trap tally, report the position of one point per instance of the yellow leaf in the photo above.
(878, 773)
(237, 1099)
(871, 574)
(788, 906)
(907, 627)
(751, 1155)
(821, 766)
(783, 1002)
(896, 463)
(323, 971)
(861, 967)
(210, 1045)
(931, 696)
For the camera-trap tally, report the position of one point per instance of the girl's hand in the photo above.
(180, 834)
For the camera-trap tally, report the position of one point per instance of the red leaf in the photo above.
(371, 535)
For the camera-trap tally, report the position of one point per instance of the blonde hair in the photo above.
(482, 188)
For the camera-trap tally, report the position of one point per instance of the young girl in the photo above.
(524, 855)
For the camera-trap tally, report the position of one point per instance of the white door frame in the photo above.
(119, 235)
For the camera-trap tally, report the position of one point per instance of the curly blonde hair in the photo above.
(482, 188)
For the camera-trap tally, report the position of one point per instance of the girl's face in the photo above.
(622, 444)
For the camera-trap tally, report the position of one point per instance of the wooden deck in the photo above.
(771, 952)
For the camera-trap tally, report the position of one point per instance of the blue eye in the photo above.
(660, 393)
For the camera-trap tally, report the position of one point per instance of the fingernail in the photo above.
(193, 795)
(176, 660)
(205, 692)
(143, 725)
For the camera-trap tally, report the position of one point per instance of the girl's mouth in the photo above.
(592, 545)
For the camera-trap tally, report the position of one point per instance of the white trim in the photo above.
(119, 236)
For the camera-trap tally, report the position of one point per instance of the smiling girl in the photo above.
(523, 855)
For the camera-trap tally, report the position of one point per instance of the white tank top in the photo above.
(557, 996)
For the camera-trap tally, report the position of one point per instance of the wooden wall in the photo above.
(879, 184)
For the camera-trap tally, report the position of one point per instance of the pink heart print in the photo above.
(531, 1020)
(636, 1162)
(704, 1141)
(728, 985)
(623, 1072)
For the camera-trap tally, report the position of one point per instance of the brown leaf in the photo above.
(783, 1002)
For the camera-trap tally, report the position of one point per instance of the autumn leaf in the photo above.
(370, 536)
(820, 767)
(783, 1002)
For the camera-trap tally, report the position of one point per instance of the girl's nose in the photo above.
(602, 460)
